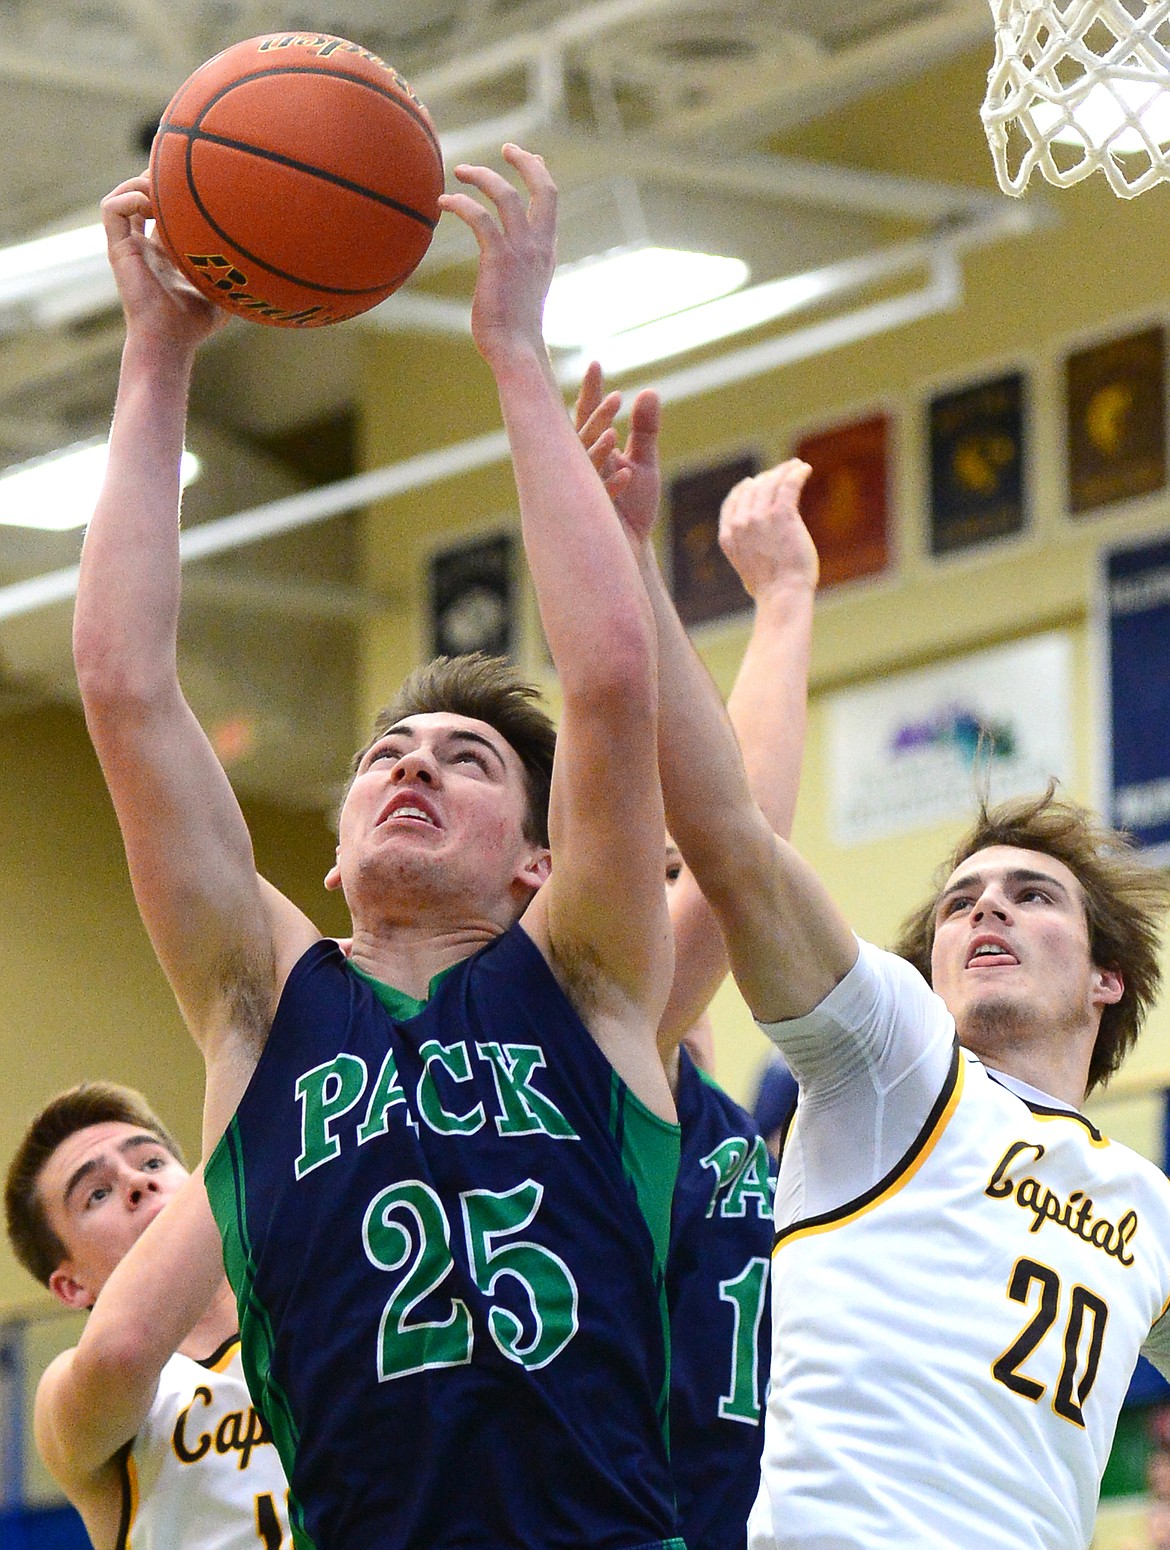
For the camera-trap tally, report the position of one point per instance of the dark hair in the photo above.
(1124, 899)
(33, 1241)
(485, 689)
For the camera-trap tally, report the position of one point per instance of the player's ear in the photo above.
(536, 868)
(66, 1288)
(333, 876)
(1108, 988)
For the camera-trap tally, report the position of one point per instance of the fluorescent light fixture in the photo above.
(627, 287)
(41, 253)
(32, 270)
(59, 491)
(1101, 116)
(698, 326)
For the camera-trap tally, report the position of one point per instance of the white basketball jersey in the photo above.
(952, 1348)
(202, 1473)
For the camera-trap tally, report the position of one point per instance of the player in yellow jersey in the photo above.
(146, 1424)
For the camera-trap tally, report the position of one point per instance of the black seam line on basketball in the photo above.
(400, 99)
(191, 135)
(280, 274)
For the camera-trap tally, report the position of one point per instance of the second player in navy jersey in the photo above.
(722, 1224)
(717, 1286)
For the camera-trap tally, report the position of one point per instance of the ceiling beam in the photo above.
(785, 179)
(819, 86)
(288, 597)
(76, 71)
(524, 49)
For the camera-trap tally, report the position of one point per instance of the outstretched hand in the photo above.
(517, 252)
(763, 534)
(156, 297)
(631, 475)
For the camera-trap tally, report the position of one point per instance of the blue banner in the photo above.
(1137, 635)
(11, 1415)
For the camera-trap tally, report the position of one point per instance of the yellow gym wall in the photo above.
(81, 995)
(1098, 267)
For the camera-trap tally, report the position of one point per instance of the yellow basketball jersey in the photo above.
(952, 1346)
(202, 1473)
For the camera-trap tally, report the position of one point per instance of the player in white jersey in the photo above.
(965, 1270)
(959, 1295)
(201, 1472)
(147, 1424)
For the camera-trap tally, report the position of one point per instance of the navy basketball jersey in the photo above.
(717, 1290)
(445, 1223)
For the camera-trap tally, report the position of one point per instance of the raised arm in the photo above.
(765, 539)
(787, 943)
(94, 1398)
(188, 849)
(601, 919)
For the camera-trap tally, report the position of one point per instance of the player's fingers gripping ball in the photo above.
(295, 179)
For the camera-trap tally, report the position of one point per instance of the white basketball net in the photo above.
(1079, 85)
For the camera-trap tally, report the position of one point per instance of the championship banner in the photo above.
(845, 503)
(472, 598)
(1116, 407)
(703, 582)
(918, 748)
(977, 464)
(1136, 630)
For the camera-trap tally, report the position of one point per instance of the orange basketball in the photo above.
(295, 179)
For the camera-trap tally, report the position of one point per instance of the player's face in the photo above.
(674, 863)
(101, 1189)
(437, 809)
(1011, 952)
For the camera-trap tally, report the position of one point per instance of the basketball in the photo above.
(295, 179)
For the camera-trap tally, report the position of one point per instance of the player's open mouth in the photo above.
(408, 809)
(989, 953)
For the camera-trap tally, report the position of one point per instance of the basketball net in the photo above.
(1077, 86)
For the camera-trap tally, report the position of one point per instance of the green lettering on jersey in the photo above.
(526, 1111)
(745, 1293)
(326, 1093)
(455, 1061)
(741, 1174)
(725, 1162)
(387, 1092)
(752, 1182)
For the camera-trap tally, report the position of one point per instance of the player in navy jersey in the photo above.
(717, 1290)
(721, 1227)
(442, 1168)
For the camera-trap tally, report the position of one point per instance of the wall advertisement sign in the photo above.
(916, 748)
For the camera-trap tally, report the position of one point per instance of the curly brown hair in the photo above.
(486, 689)
(1124, 901)
(35, 1244)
